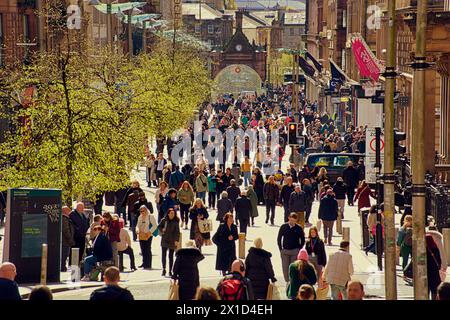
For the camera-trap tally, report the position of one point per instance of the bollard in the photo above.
(241, 245)
(339, 224)
(44, 264)
(75, 268)
(180, 242)
(346, 234)
(446, 236)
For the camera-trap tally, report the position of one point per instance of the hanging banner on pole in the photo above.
(367, 62)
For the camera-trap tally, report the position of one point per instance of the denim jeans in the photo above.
(201, 195)
(335, 289)
(89, 264)
(247, 178)
(133, 222)
(122, 213)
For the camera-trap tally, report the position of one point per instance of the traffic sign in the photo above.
(371, 169)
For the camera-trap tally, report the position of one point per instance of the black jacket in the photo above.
(286, 192)
(259, 269)
(233, 193)
(223, 206)
(185, 270)
(350, 176)
(271, 192)
(290, 238)
(80, 225)
(102, 248)
(9, 290)
(111, 293)
(297, 202)
(243, 208)
(328, 208)
(226, 249)
(309, 193)
(170, 232)
(248, 287)
(340, 190)
(319, 250)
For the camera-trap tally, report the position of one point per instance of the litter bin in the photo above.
(364, 228)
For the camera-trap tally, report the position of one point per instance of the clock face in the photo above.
(238, 47)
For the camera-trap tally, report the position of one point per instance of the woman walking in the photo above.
(404, 240)
(169, 229)
(259, 269)
(433, 266)
(259, 185)
(145, 228)
(316, 250)
(160, 195)
(186, 199)
(225, 238)
(111, 226)
(363, 195)
(300, 272)
(253, 197)
(185, 270)
(197, 213)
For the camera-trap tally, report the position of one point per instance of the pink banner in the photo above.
(368, 66)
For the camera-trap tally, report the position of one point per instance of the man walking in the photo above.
(111, 291)
(81, 225)
(285, 195)
(328, 213)
(271, 196)
(233, 192)
(9, 290)
(351, 179)
(236, 286)
(291, 238)
(246, 168)
(243, 210)
(339, 270)
(297, 204)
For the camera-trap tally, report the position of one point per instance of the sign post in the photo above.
(371, 169)
(33, 219)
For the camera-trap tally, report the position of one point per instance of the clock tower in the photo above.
(239, 50)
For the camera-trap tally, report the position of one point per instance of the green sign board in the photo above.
(34, 235)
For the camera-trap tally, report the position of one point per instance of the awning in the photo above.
(141, 17)
(119, 7)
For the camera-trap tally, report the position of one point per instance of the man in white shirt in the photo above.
(339, 270)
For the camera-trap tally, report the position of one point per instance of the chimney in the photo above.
(239, 17)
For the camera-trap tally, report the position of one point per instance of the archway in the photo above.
(235, 79)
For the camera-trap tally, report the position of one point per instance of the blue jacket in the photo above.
(102, 248)
(168, 203)
(176, 178)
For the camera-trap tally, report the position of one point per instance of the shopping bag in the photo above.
(272, 292)
(322, 292)
(319, 225)
(205, 226)
(174, 291)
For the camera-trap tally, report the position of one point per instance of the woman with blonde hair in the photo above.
(404, 240)
(206, 293)
(146, 226)
(197, 213)
(185, 197)
(322, 176)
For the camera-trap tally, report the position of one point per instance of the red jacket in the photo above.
(113, 230)
(363, 196)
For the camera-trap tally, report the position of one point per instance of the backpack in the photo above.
(232, 289)
(407, 240)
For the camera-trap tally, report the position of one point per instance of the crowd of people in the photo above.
(187, 194)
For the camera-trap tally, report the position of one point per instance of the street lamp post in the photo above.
(418, 155)
(390, 74)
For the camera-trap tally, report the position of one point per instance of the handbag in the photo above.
(273, 293)
(205, 226)
(174, 291)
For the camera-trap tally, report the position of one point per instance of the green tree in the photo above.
(80, 132)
